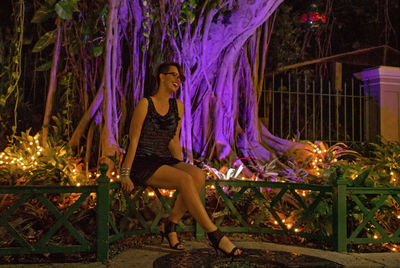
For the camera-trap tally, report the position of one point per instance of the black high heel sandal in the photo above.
(170, 227)
(215, 237)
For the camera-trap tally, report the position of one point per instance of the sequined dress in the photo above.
(152, 151)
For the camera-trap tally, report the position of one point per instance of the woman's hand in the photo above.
(126, 184)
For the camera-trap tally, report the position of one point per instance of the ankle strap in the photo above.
(169, 226)
(215, 236)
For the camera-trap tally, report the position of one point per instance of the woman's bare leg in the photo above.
(179, 209)
(170, 177)
(198, 176)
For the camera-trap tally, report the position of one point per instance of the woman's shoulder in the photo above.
(179, 103)
(144, 101)
(142, 104)
(180, 106)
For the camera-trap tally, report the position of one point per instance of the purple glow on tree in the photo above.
(222, 54)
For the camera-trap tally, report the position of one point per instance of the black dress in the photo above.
(152, 151)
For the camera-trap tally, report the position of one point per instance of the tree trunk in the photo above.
(109, 145)
(52, 85)
(223, 53)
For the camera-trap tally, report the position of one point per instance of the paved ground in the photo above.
(145, 256)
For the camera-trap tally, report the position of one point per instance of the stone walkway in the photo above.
(145, 256)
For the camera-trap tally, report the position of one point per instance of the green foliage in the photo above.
(63, 9)
(44, 67)
(45, 40)
(42, 14)
(188, 9)
(25, 162)
(286, 40)
(380, 169)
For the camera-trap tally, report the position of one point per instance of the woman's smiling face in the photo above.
(171, 79)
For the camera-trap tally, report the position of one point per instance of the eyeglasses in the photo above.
(176, 75)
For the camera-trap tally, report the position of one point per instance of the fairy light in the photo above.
(275, 222)
(289, 226)
(212, 187)
(375, 236)
(296, 230)
(113, 173)
(151, 194)
(283, 220)
(97, 175)
(78, 184)
(117, 176)
(394, 249)
(171, 194)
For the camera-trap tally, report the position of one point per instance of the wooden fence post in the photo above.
(198, 229)
(340, 214)
(103, 207)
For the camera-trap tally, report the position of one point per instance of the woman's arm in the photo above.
(139, 114)
(175, 145)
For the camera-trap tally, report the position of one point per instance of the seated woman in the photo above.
(154, 158)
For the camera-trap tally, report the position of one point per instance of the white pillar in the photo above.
(384, 106)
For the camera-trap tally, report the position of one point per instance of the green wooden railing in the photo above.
(109, 230)
(40, 192)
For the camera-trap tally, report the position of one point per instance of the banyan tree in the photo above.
(104, 54)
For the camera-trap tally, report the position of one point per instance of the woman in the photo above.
(154, 154)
